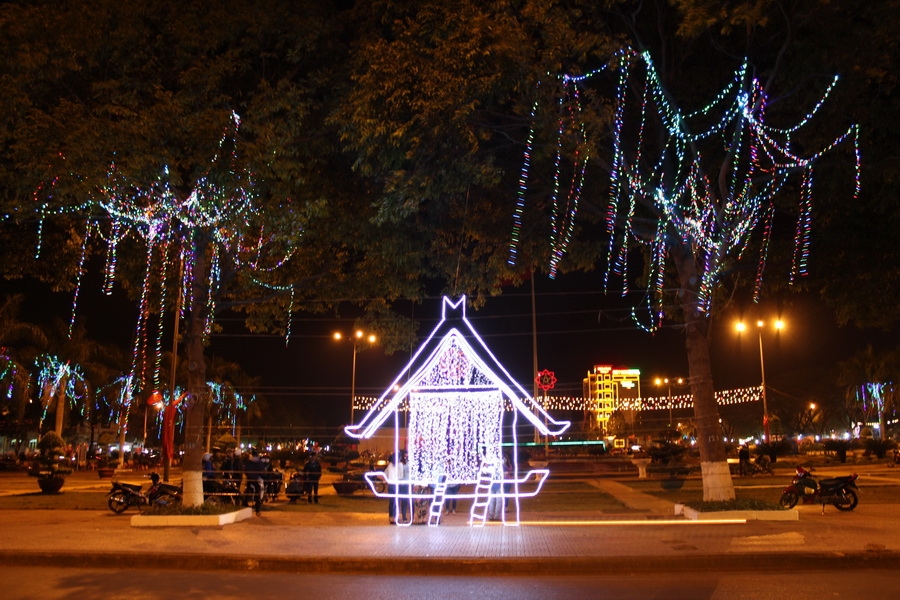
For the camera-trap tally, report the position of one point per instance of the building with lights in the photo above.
(607, 390)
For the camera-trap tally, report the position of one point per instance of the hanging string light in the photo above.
(759, 160)
(56, 376)
(220, 205)
(577, 403)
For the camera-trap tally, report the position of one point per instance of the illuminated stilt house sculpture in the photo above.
(463, 406)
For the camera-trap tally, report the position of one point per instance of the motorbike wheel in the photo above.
(214, 500)
(789, 499)
(853, 501)
(379, 487)
(118, 502)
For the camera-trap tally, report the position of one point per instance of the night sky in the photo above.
(577, 327)
(307, 383)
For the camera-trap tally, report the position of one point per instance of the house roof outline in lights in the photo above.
(455, 328)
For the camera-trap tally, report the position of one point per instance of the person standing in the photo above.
(312, 472)
(497, 504)
(391, 474)
(405, 499)
(209, 471)
(452, 491)
(232, 467)
(744, 460)
(254, 489)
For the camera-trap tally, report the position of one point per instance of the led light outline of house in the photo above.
(467, 339)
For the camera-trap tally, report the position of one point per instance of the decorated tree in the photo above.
(869, 380)
(131, 145)
(20, 342)
(696, 187)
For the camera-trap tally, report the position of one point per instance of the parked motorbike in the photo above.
(895, 459)
(839, 491)
(762, 464)
(359, 478)
(274, 482)
(254, 493)
(296, 487)
(221, 491)
(124, 495)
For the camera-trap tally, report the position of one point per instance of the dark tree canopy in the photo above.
(386, 138)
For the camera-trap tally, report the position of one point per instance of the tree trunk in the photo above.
(198, 395)
(122, 427)
(61, 405)
(717, 483)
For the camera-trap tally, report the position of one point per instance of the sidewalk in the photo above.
(650, 540)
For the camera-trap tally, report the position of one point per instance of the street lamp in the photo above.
(357, 336)
(778, 324)
(665, 381)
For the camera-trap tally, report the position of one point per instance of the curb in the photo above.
(439, 566)
(192, 520)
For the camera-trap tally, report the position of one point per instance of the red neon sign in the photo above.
(545, 380)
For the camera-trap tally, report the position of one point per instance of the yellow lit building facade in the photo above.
(609, 390)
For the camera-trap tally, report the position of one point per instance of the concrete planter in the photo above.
(672, 483)
(191, 520)
(737, 515)
(345, 488)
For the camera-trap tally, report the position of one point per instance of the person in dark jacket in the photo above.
(312, 472)
(254, 469)
(744, 460)
(232, 466)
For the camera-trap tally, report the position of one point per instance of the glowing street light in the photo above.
(357, 336)
(778, 325)
(665, 381)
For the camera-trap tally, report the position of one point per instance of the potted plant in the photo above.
(49, 468)
(107, 467)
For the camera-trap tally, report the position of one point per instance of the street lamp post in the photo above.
(665, 380)
(358, 335)
(779, 325)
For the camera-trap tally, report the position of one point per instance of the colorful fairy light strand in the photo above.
(674, 186)
(221, 205)
(578, 403)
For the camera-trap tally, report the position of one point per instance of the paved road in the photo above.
(52, 583)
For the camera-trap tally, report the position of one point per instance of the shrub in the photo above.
(737, 504)
(775, 449)
(207, 508)
(48, 465)
(666, 453)
(839, 447)
(51, 442)
(879, 447)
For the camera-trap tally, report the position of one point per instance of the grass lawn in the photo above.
(61, 501)
(573, 496)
